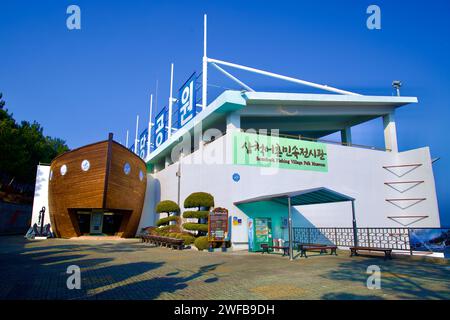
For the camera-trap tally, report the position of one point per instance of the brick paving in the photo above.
(128, 269)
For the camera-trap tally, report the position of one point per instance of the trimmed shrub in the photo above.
(168, 229)
(188, 239)
(195, 227)
(196, 214)
(199, 199)
(165, 221)
(167, 206)
(201, 243)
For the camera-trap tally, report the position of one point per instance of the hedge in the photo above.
(195, 227)
(196, 214)
(167, 229)
(166, 220)
(199, 199)
(188, 239)
(201, 243)
(167, 206)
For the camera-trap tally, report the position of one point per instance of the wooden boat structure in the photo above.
(97, 189)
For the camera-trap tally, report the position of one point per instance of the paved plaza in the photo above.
(128, 269)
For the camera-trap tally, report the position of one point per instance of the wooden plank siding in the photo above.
(98, 188)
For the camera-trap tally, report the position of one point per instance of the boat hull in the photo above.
(103, 177)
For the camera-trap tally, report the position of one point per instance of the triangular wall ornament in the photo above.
(403, 186)
(402, 169)
(405, 203)
(407, 220)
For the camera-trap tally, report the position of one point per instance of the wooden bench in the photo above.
(321, 248)
(301, 245)
(161, 241)
(266, 249)
(387, 252)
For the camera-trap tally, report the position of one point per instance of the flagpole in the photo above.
(150, 126)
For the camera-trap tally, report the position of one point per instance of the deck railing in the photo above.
(392, 238)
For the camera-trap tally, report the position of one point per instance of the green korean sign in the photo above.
(276, 152)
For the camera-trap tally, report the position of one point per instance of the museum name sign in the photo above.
(270, 151)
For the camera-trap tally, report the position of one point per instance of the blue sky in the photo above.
(82, 84)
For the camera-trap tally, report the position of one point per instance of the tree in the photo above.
(23, 146)
(200, 200)
(2, 102)
(168, 207)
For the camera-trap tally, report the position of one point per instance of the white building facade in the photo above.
(389, 188)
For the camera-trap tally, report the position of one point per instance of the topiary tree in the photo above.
(201, 243)
(168, 207)
(199, 200)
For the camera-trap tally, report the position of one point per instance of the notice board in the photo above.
(218, 225)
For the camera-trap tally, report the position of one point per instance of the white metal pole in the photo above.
(126, 141)
(136, 141)
(278, 76)
(205, 66)
(150, 126)
(229, 75)
(170, 102)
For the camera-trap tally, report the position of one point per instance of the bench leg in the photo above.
(387, 255)
(333, 251)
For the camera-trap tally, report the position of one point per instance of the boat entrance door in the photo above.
(96, 223)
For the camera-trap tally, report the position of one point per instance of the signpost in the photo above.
(218, 227)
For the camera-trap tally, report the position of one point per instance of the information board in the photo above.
(218, 225)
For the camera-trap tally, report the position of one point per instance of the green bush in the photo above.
(165, 221)
(167, 230)
(167, 206)
(196, 214)
(201, 243)
(195, 227)
(188, 239)
(199, 199)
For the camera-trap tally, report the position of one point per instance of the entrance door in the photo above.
(96, 222)
(263, 232)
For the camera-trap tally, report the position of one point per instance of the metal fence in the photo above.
(393, 238)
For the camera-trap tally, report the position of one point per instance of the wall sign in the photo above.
(187, 101)
(265, 151)
(159, 134)
(430, 240)
(236, 177)
(143, 144)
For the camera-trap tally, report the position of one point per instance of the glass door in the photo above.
(96, 222)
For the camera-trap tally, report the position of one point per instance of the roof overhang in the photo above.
(279, 98)
(301, 197)
(287, 111)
